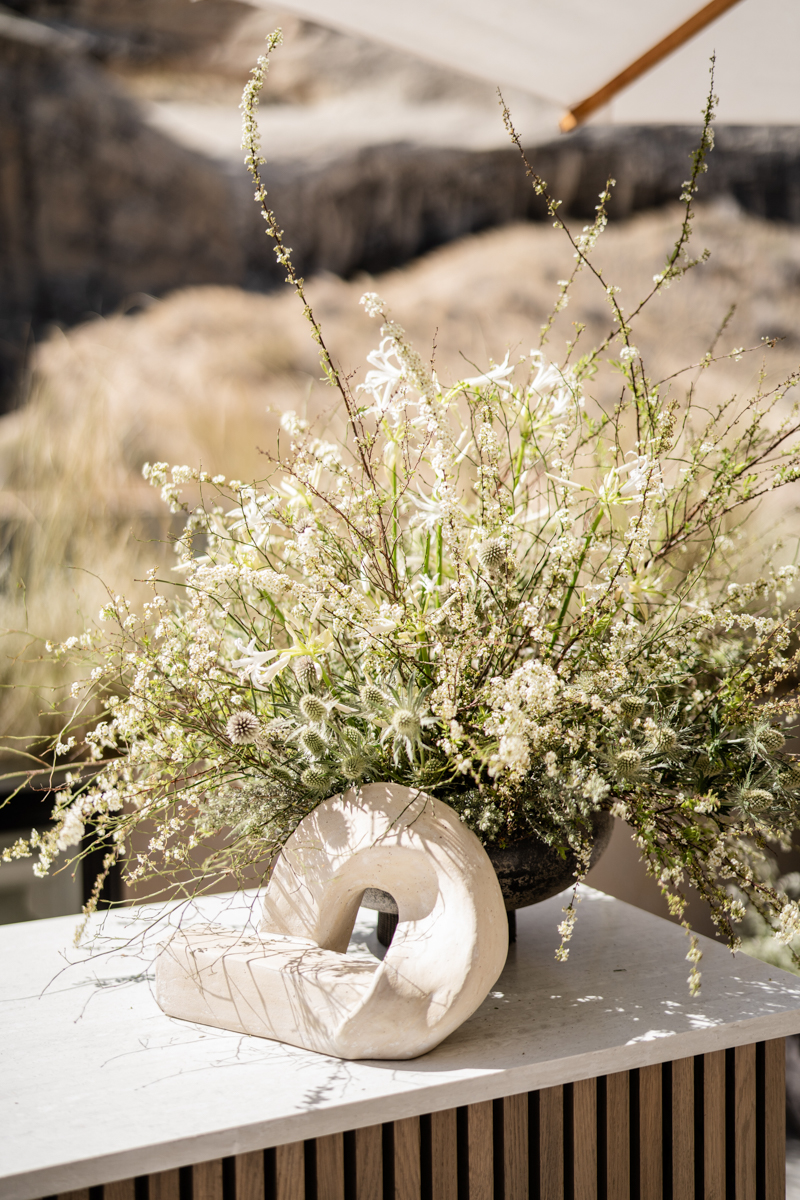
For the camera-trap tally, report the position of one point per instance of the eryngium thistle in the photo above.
(665, 738)
(756, 799)
(313, 744)
(242, 728)
(631, 705)
(628, 763)
(372, 697)
(771, 740)
(313, 709)
(355, 766)
(492, 554)
(762, 739)
(406, 723)
(316, 778)
(790, 776)
(305, 671)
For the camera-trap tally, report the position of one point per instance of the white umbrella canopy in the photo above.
(565, 51)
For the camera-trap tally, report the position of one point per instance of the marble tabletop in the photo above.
(98, 1084)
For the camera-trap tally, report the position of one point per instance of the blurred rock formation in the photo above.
(121, 173)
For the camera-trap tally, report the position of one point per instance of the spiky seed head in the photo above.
(316, 778)
(313, 709)
(790, 776)
(372, 697)
(665, 738)
(243, 728)
(771, 740)
(628, 763)
(305, 671)
(313, 744)
(406, 723)
(756, 799)
(492, 554)
(631, 705)
(355, 765)
(351, 735)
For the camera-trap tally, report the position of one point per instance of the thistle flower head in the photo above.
(372, 697)
(632, 705)
(306, 671)
(313, 743)
(755, 799)
(628, 763)
(772, 740)
(763, 739)
(313, 709)
(406, 723)
(790, 775)
(243, 728)
(665, 739)
(409, 717)
(492, 555)
(355, 765)
(316, 778)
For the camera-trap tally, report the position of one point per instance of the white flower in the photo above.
(788, 923)
(496, 375)
(71, 831)
(644, 475)
(638, 473)
(430, 511)
(381, 625)
(385, 376)
(252, 661)
(373, 304)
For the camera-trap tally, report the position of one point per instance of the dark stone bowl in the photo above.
(528, 871)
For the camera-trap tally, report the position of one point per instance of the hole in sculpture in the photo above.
(387, 924)
(385, 905)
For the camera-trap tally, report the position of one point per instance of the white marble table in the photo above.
(98, 1085)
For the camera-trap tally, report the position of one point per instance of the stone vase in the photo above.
(528, 872)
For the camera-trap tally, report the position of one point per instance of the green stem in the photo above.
(586, 544)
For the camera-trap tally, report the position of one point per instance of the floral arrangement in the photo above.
(529, 592)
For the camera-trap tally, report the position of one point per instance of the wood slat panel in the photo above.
(480, 1151)
(369, 1163)
(515, 1148)
(121, 1189)
(584, 1122)
(714, 1125)
(618, 1136)
(651, 1167)
(78, 1194)
(551, 1143)
(407, 1166)
(745, 1119)
(207, 1180)
(249, 1176)
(444, 1156)
(683, 1129)
(330, 1167)
(775, 1119)
(290, 1172)
(165, 1185)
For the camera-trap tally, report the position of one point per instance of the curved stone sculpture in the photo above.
(294, 981)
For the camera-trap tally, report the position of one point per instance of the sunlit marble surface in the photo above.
(98, 1084)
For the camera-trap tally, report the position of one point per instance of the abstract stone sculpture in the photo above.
(294, 981)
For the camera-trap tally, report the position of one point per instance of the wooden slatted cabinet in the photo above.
(710, 1127)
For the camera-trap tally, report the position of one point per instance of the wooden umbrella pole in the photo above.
(579, 113)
